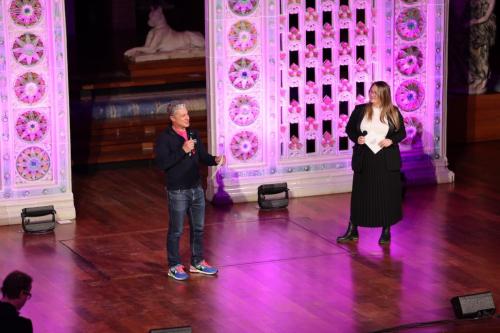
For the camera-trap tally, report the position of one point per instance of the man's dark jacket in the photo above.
(181, 168)
(12, 322)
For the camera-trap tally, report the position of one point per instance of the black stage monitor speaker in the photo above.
(272, 195)
(184, 329)
(38, 220)
(473, 306)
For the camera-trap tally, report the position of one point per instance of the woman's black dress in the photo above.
(376, 190)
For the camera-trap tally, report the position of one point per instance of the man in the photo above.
(179, 152)
(16, 290)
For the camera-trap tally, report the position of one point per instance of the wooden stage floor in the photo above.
(280, 271)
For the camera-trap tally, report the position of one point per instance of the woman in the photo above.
(376, 187)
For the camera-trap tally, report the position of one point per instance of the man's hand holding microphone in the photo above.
(189, 146)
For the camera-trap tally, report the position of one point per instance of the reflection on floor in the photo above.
(280, 271)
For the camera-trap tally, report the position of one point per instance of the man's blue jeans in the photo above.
(180, 203)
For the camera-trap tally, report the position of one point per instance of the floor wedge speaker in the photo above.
(38, 220)
(184, 329)
(474, 305)
(271, 196)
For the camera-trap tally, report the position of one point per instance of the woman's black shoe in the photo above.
(350, 235)
(385, 237)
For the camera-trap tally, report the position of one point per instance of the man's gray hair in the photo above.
(172, 108)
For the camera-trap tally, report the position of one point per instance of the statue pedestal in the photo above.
(171, 70)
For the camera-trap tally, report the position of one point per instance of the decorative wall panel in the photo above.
(34, 150)
(285, 76)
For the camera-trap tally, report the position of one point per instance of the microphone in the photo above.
(191, 137)
(364, 133)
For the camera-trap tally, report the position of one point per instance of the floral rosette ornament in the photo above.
(409, 60)
(361, 29)
(244, 145)
(311, 17)
(311, 51)
(342, 124)
(327, 5)
(282, 22)
(294, 145)
(33, 163)
(345, 89)
(311, 14)
(28, 49)
(311, 55)
(294, 112)
(361, 69)
(327, 106)
(283, 130)
(244, 110)
(345, 15)
(243, 73)
(327, 70)
(410, 24)
(294, 38)
(361, 4)
(294, 71)
(345, 86)
(327, 142)
(311, 92)
(243, 7)
(311, 126)
(294, 6)
(360, 99)
(345, 52)
(294, 35)
(294, 74)
(25, 12)
(29, 87)
(328, 35)
(31, 126)
(361, 33)
(410, 95)
(345, 12)
(282, 93)
(242, 36)
(344, 49)
(361, 66)
(328, 31)
(282, 60)
(414, 130)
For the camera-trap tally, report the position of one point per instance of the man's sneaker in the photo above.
(177, 272)
(204, 268)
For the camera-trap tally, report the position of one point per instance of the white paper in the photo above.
(372, 140)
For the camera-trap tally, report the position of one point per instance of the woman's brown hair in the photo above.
(389, 111)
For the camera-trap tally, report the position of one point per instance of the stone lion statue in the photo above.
(162, 40)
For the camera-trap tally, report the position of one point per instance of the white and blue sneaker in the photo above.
(203, 268)
(177, 272)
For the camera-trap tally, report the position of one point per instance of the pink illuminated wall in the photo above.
(285, 75)
(34, 147)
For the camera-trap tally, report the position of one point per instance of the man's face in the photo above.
(24, 297)
(180, 119)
